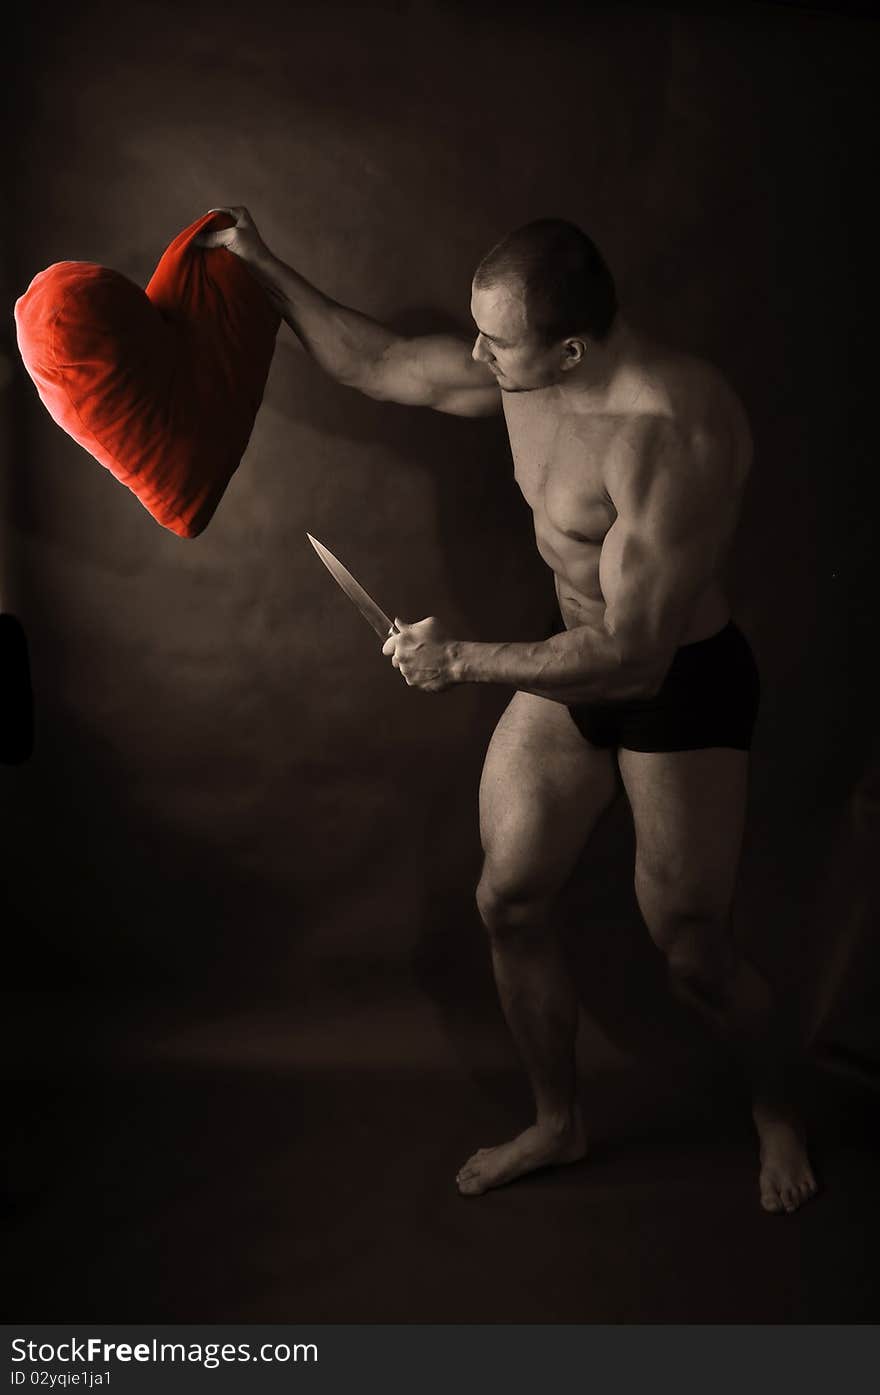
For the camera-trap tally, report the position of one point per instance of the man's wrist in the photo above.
(455, 660)
(264, 264)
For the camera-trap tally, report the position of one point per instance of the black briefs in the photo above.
(709, 697)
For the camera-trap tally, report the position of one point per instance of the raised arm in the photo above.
(676, 511)
(424, 371)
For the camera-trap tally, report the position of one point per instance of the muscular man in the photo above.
(633, 458)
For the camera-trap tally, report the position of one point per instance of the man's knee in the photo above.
(700, 977)
(692, 931)
(509, 910)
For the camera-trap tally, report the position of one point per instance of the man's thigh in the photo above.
(543, 789)
(689, 815)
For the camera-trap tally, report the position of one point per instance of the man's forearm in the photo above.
(580, 665)
(345, 343)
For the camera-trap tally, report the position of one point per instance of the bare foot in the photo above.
(538, 1146)
(787, 1179)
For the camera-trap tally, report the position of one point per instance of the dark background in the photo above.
(239, 865)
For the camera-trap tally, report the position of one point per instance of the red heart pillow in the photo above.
(162, 387)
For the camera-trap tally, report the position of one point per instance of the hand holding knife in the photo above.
(419, 651)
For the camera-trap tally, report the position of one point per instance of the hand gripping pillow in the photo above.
(163, 386)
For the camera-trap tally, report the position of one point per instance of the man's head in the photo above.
(543, 301)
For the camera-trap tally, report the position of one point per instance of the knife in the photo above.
(372, 613)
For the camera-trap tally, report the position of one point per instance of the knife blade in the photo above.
(372, 613)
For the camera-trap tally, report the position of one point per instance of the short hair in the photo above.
(566, 283)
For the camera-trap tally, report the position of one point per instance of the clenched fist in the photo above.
(422, 652)
(242, 239)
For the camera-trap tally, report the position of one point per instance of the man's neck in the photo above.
(592, 382)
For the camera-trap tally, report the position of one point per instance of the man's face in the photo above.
(519, 360)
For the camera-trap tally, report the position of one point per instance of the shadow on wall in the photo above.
(480, 518)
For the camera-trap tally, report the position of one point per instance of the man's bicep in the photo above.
(436, 370)
(659, 556)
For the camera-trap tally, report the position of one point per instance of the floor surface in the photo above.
(165, 1190)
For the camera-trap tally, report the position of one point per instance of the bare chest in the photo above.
(560, 466)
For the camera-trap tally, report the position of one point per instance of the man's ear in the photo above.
(573, 352)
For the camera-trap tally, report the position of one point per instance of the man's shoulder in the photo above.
(685, 408)
(678, 450)
(681, 386)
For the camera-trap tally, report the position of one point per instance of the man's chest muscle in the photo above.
(559, 465)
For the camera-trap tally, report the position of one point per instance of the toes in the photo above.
(799, 1192)
(788, 1196)
(771, 1201)
(467, 1172)
(470, 1186)
(809, 1187)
